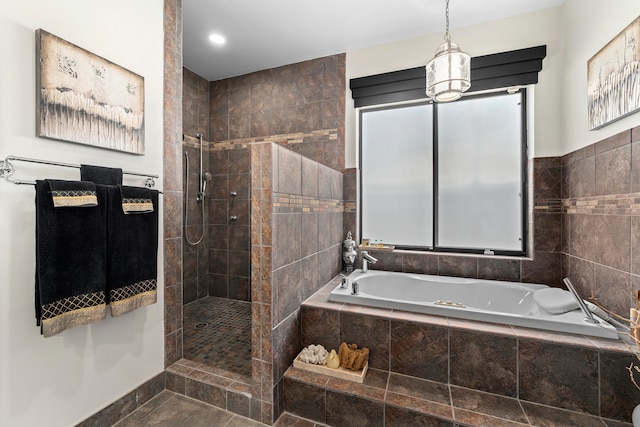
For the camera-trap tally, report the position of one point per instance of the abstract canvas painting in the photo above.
(613, 78)
(84, 98)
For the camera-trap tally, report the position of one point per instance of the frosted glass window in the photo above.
(479, 170)
(397, 175)
(456, 186)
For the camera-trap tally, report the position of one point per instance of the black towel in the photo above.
(72, 193)
(71, 262)
(136, 200)
(132, 248)
(101, 175)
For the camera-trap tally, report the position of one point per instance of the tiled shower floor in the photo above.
(217, 333)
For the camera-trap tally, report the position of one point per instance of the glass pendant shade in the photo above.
(448, 73)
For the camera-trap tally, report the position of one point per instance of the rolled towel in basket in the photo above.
(70, 262)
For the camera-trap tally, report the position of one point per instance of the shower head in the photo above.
(205, 179)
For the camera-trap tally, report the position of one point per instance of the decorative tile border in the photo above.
(288, 203)
(313, 137)
(616, 204)
(548, 205)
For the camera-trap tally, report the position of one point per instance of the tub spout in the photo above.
(588, 315)
(366, 259)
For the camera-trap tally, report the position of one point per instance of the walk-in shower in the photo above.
(216, 256)
(203, 179)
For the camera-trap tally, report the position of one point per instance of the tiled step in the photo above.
(215, 386)
(388, 399)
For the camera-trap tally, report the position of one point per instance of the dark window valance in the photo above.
(505, 69)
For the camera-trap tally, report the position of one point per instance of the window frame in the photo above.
(524, 171)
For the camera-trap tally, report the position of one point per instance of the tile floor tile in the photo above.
(217, 333)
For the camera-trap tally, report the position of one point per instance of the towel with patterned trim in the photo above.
(132, 251)
(72, 193)
(136, 200)
(71, 262)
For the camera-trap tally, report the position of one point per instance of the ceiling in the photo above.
(263, 34)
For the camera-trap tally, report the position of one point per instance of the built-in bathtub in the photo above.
(472, 299)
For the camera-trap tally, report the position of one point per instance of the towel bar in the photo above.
(7, 169)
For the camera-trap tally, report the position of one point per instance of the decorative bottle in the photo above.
(349, 253)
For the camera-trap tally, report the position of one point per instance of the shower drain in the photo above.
(201, 325)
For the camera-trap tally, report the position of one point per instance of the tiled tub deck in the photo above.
(434, 371)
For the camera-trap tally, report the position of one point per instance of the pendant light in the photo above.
(449, 72)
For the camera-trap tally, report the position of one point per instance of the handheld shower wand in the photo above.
(207, 177)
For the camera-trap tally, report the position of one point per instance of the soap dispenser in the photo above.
(349, 253)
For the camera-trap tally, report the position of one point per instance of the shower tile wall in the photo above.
(301, 107)
(195, 117)
(296, 219)
(601, 219)
(172, 180)
(229, 222)
(195, 104)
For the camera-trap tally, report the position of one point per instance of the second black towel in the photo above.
(132, 247)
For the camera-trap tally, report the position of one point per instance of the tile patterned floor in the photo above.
(217, 333)
(170, 409)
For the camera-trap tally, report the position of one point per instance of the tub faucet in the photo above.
(588, 315)
(345, 281)
(355, 288)
(366, 259)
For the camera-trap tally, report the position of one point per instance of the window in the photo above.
(446, 177)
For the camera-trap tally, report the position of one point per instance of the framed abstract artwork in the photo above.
(613, 78)
(87, 99)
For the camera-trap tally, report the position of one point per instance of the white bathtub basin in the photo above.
(473, 299)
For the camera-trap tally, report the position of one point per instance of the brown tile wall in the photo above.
(301, 98)
(219, 265)
(296, 224)
(229, 221)
(195, 257)
(172, 180)
(601, 219)
(195, 120)
(195, 104)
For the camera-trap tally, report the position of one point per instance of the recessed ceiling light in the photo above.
(217, 39)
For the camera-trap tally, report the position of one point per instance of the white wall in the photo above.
(539, 28)
(588, 25)
(61, 380)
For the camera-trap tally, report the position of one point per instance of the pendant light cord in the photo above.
(447, 37)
